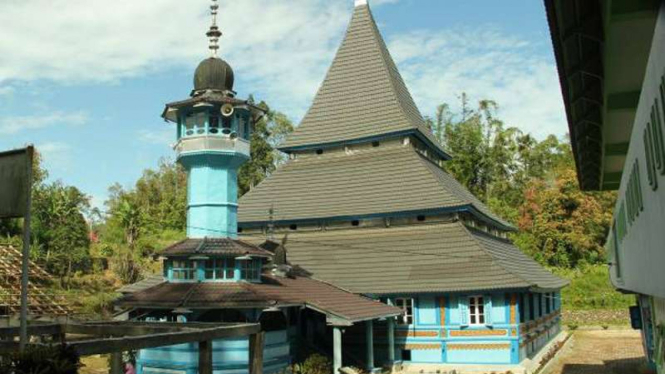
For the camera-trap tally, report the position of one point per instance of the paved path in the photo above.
(601, 352)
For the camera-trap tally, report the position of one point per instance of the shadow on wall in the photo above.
(622, 366)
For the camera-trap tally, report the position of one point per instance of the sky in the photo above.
(85, 81)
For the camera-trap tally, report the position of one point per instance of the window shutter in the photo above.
(488, 310)
(464, 310)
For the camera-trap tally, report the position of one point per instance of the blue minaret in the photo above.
(213, 141)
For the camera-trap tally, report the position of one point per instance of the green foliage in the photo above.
(268, 133)
(561, 225)
(530, 183)
(60, 232)
(590, 289)
(314, 364)
(59, 359)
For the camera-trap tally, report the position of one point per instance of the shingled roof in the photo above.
(272, 292)
(40, 302)
(363, 95)
(391, 178)
(438, 257)
(215, 246)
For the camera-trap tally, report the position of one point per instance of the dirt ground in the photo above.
(601, 352)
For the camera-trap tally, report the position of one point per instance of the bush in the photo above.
(314, 364)
(58, 359)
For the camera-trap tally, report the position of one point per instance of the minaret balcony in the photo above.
(212, 144)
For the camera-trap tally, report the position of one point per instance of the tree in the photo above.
(268, 133)
(60, 232)
(562, 225)
(530, 183)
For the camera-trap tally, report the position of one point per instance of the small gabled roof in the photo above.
(437, 257)
(341, 305)
(215, 246)
(392, 178)
(362, 97)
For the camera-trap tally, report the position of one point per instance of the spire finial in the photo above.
(360, 2)
(214, 34)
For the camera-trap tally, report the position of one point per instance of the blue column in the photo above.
(369, 331)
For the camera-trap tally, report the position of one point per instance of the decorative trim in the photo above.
(477, 347)
(422, 346)
(444, 333)
(442, 310)
(513, 332)
(479, 333)
(513, 309)
(417, 333)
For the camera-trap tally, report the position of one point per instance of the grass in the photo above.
(590, 289)
(591, 299)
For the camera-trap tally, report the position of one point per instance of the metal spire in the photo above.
(214, 34)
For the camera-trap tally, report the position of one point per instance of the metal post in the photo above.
(337, 349)
(23, 333)
(391, 340)
(369, 332)
(205, 357)
(116, 363)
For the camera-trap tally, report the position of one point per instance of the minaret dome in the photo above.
(213, 73)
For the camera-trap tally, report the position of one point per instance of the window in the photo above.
(476, 310)
(614, 246)
(213, 126)
(375, 144)
(319, 151)
(250, 270)
(407, 307)
(532, 307)
(184, 269)
(220, 269)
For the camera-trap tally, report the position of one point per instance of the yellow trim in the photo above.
(422, 346)
(478, 332)
(477, 347)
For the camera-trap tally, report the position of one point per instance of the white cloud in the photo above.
(485, 64)
(55, 155)
(6, 90)
(164, 136)
(281, 48)
(13, 125)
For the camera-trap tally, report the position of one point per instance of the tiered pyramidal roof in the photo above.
(362, 97)
(363, 151)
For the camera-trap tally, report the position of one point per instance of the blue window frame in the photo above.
(183, 270)
(250, 270)
(220, 269)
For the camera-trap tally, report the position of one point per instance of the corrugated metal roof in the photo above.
(363, 94)
(441, 257)
(273, 291)
(387, 179)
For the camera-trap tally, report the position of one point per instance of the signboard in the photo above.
(14, 182)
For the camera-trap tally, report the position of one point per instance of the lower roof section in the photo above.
(441, 257)
(274, 291)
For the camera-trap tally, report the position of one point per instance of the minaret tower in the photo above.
(213, 141)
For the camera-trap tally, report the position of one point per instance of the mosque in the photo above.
(360, 246)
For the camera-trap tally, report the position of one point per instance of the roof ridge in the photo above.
(494, 260)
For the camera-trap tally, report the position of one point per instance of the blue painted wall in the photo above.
(230, 356)
(498, 341)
